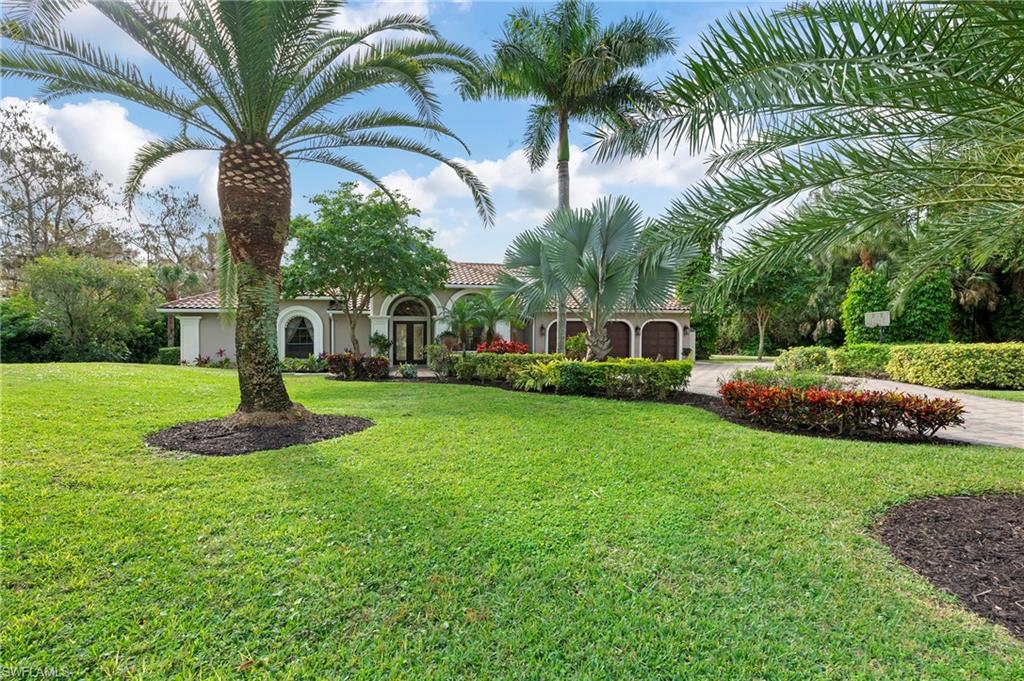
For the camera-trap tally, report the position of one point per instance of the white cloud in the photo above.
(360, 14)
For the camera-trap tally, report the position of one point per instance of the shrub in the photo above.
(23, 336)
(441, 360)
(503, 347)
(407, 370)
(809, 358)
(538, 376)
(169, 355)
(576, 346)
(630, 378)
(380, 343)
(868, 291)
(348, 366)
(841, 411)
(957, 365)
(928, 312)
(860, 359)
(801, 380)
(310, 365)
(489, 366)
(1008, 319)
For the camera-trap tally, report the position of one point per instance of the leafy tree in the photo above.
(896, 109)
(23, 337)
(172, 281)
(360, 246)
(766, 295)
(572, 68)
(261, 83)
(603, 258)
(462, 319)
(49, 199)
(171, 230)
(92, 306)
(925, 315)
(868, 292)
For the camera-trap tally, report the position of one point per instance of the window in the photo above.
(298, 338)
(410, 308)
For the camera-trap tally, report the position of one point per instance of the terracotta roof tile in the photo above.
(461, 274)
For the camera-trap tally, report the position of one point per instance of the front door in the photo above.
(410, 341)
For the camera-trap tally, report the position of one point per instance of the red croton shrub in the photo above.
(841, 411)
(503, 347)
(346, 365)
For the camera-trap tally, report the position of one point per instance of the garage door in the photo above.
(660, 338)
(618, 334)
(571, 329)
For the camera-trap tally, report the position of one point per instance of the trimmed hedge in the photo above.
(841, 411)
(959, 365)
(803, 358)
(169, 355)
(860, 359)
(631, 378)
(489, 366)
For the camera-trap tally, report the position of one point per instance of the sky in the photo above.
(106, 132)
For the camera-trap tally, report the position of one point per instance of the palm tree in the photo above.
(527, 277)
(901, 111)
(172, 280)
(604, 257)
(489, 309)
(259, 83)
(573, 69)
(462, 320)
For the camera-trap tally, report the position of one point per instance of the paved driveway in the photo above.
(987, 421)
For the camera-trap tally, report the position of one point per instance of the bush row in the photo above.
(941, 365)
(841, 411)
(958, 365)
(493, 367)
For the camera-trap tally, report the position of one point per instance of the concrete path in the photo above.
(987, 421)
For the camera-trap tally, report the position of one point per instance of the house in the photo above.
(312, 325)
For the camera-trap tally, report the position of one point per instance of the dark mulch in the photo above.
(217, 438)
(972, 547)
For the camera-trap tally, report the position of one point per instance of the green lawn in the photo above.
(1013, 395)
(472, 532)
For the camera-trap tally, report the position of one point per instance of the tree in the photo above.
(896, 109)
(360, 246)
(92, 306)
(172, 229)
(462, 320)
(603, 257)
(49, 199)
(762, 297)
(261, 84)
(490, 309)
(573, 69)
(172, 281)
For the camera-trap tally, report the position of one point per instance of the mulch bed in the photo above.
(971, 547)
(217, 438)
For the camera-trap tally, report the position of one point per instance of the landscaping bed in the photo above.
(971, 547)
(217, 437)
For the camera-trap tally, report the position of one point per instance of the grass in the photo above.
(1012, 395)
(472, 533)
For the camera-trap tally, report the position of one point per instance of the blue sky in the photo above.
(106, 132)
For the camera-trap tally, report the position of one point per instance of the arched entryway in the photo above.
(300, 332)
(410, 330)
(659, 339)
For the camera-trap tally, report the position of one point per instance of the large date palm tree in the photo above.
(572, 68)
(879, 112)
(263, 84)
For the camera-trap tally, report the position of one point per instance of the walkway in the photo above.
(986, 421)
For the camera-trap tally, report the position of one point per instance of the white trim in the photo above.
(292, 311)
(679, 335)
(632, 332)
(385, 307)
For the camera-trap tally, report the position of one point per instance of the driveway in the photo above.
(986, 421)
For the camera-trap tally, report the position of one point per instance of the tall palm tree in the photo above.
(572, 68)
(898, 109)
(172, 280)
(604, 257)
(260, 83)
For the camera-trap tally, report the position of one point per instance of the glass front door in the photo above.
(410, 341)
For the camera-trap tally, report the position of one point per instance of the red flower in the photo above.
(503, 347)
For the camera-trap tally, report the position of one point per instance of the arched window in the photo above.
(298, 338)
(410, 308)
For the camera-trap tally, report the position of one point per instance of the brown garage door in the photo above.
(571, 329)
(618, 334)
(660, 338)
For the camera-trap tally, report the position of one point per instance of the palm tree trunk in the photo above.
(563, 204)
(598, 343)
(170, 330)
(255, 204)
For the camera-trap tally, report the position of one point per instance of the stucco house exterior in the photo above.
(312, 325)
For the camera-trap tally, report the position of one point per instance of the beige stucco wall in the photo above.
(342, 334)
